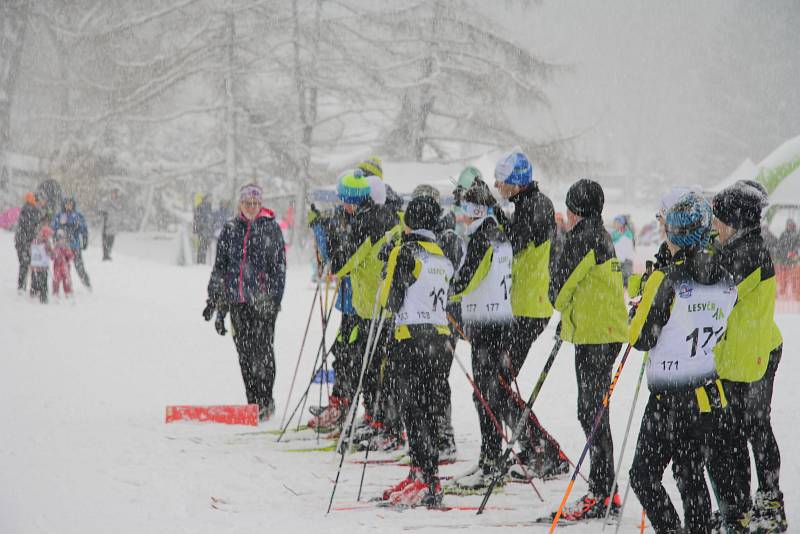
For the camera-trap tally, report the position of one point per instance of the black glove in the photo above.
(208, 312)
(219, 324)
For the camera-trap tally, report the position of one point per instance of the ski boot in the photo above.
(768, 514)
(332, 415)
(395, 491)
(479, 477)
(591, 506)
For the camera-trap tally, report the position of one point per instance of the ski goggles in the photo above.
(474, 211)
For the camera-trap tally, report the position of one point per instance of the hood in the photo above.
(69, 199)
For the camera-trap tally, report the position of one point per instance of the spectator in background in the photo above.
(27, 224)
(785, 259)
(624, 246)
(73, 223)
(770, 241)
(247, 281)
(788, 244)
(111, 210)
(204, 227)
(223, 214)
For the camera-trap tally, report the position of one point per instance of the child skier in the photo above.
(41, 252)
(586, 287)
(415, 291)
(62, 255)
(692, 295)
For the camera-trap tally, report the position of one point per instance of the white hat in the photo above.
(377, 190)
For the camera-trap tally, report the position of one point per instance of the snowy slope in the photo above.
(84, 447)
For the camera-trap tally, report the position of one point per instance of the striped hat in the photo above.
(372, 167)
(352, 187)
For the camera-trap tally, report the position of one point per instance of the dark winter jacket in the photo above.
(327, 234)
(452, 244)
(743, 354)
(204, 219)
(27, 224)
(74, 225)
(530, 231)
(357, 253)
(586, 287)
(788, 247)
(250, 266)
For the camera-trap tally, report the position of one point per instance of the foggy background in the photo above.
(166, 99)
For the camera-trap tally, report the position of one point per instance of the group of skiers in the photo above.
(412, 282)
(57, 234)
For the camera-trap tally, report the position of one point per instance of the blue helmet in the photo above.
(688, 222)
(514, 168)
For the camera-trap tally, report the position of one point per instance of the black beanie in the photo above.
(740, 205)
(422, 213)
(480, 194)
(585, 198)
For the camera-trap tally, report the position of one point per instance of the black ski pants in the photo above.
(108, 244)
(673, 429)
(254, 335)
(416, 386)
(489, 349)
(729, 458)
(593, 365)
(758, 428)
(24, 257)
(751, 406)
(348, 350)
(524, 332)
(39, 284)
(80, 268)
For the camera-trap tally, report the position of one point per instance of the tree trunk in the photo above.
(230, 109)
(13, 25)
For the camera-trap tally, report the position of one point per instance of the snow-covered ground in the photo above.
(84, 447)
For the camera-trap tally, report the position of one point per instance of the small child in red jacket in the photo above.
(41, 252)
(62, 256)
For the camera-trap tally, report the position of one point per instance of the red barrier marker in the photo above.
(230, 414)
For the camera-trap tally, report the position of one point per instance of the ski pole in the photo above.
(520, 426)
(300, 354)
(325, 353)
(351, 413)
(625, 439)
(353, 408)
(597, 418)
(496, 423)
(325, 320)
(622, 508)
(308, 388)
(323, 306)
(366, 453)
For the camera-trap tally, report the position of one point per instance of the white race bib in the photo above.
(426, 299)
(491, 300)
(683, 356)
